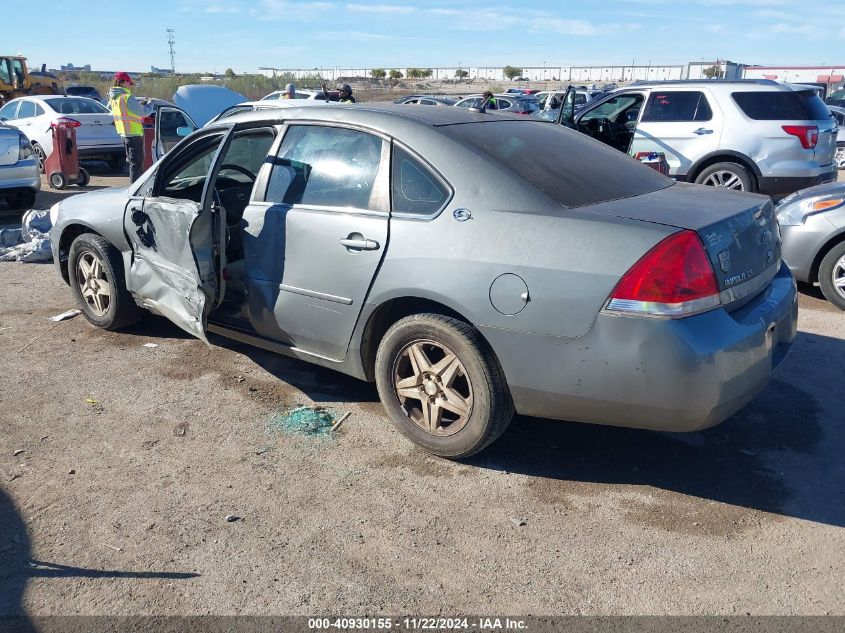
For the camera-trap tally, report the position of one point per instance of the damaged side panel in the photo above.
(164, 273)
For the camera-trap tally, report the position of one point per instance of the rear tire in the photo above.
(832, 276)
(731, 176)
(457, 370)
(98, 282)
(39, 153)
(22, 200)
(84, 178)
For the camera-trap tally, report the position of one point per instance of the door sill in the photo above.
(256, 340)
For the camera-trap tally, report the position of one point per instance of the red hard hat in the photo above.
(121, 76)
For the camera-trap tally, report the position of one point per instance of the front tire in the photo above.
(832, 276)
(442, 387)
(97, 280)
(731, 176)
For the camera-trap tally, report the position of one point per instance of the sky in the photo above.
(212, 35)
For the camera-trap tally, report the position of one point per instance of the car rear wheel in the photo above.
(726, 176)
(832, 276)
(441, 386)
(95, 271)
(39, 153)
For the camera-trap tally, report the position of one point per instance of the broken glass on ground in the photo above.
(310, 421)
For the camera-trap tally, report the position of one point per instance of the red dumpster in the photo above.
(62, 165)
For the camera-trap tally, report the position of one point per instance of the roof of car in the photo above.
(765, 85)
(370, 113)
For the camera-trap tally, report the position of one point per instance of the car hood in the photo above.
(103, 205)
(830, 188)
(203, 103)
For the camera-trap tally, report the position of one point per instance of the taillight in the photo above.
(673, 279)
(65, 122)
(807, 134)
(24, 148)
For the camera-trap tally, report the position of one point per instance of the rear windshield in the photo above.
(782, 106)
(76, 105)
(80, 91)
(567, 166)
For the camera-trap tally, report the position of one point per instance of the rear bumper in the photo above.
(22, 175)
(102, 151)
(669, 375)
(773, 185)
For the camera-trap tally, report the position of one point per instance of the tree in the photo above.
(713, 72)
(378, 73)
(395, 74)
(461, 74)
(230, 74)
(511, 72)
(413, 73)
(428, 72)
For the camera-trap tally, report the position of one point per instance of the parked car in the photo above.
(839, 114)
(812, 225)
(203, 102)
(836, 98)
(426, 100)
(301, 94)
(470, 264)
(747, 135)
(20, 180)
(169, 122)
(515, 104)
(252, 106)
(96, 138)
(550, 101)
(84, 91)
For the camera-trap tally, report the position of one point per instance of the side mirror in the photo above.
(183, 131)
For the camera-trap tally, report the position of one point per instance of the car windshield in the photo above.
(569, 167)
(839, 94)
(76, 105)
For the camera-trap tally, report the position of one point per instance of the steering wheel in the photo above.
(243, 170)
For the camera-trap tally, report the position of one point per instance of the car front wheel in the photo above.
(95, 272)
(726, 176)
(832, 276)
(441, 385)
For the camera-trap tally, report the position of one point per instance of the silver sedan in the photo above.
(470, 264)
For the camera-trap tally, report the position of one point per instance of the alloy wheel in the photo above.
(93, 283)
(433, 387)
(839, 276)
(39, 153)
(724, 179)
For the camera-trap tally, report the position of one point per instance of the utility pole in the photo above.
(171, 43)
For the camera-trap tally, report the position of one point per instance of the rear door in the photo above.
(683, 125)
(313, 247)
(172, 124)
(175, 227)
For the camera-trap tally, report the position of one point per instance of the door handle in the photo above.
(702, 131)
(359, 244)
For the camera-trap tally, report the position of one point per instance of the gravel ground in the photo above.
(133, 457)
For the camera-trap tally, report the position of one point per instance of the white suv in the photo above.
(749, 135)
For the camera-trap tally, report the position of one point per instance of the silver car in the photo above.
(470, 264)
(812, 223)
(20, 180)
(747, 135)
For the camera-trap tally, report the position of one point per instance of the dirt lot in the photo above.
(133, 457)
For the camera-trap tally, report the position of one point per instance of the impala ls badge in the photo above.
(462, 215)
(725, 261)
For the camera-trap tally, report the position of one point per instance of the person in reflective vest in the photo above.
(128, 115)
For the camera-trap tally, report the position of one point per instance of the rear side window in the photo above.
(416, 189)
(782, 106)
(677, 106)
(567, 166)
(26, 110)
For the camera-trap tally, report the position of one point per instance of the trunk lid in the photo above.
(96, 129)
(738, 230)
(9, 145)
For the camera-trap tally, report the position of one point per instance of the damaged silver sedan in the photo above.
(470, 264)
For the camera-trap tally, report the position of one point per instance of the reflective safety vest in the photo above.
(126, 122)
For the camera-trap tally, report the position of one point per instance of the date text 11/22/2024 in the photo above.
(417, 624)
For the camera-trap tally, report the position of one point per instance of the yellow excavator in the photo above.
(17, 81)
